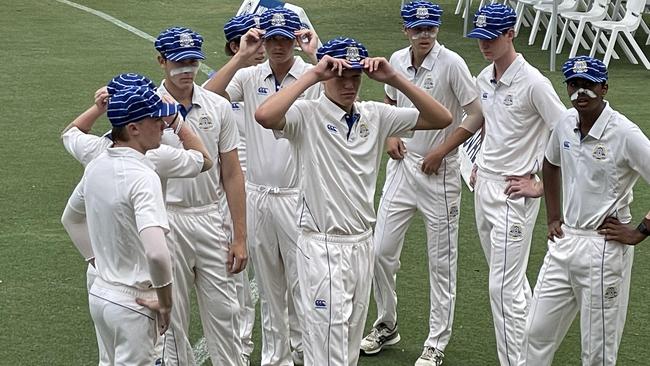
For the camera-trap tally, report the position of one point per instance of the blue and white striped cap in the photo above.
(585, 67)
(135, 103)
(344, 48)
(280, 22)
(421, 14)
(178, 44)
(493, 20)
(128, 80)
(238, 25)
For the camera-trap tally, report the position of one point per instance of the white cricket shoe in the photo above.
(379, 337)
(431, 356)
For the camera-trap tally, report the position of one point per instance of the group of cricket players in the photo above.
(273, 163)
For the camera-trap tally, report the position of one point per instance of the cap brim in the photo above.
(355, 65)
(482, 33)
(279, 32)
(586, 77)
(185, 55)
(165, 109)
(422, 23)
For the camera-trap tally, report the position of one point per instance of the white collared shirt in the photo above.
(212, 119)
(270, 162)
(520, 110)
(600, 170)
(121, 195)
(443, 75)
(340, 171)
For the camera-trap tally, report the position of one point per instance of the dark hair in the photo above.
(227, 48)
(118, 133)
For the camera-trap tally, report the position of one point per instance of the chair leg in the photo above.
(534, 28)
(519, 10)
(459, 7)
(577, 40)
(610, 47)
(549, 32)
(595, 45)
(638, 50)
(563, 36)
(620, 39)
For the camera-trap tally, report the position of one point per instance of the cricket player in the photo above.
(121, 198)
(594, 157)
(520, 109)
(340, 142)
(420, 177)
(272, 175)
(207, 252)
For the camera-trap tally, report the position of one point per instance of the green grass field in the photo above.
(54, 58)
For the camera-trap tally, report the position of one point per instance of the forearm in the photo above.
(157, 254)
(233, 184)
(219, 82)
(84, 122)
(164, 295)
(474, 119)
(192, 141)
(551, 184)
(433, 115)
(76, 227)
(457, 138)
(271, 113)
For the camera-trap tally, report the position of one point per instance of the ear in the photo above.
(604, 91)
(133, 129)
(234, 46)
(161, 61)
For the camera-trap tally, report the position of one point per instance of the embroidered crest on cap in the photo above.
(481, 21)
(580, 66)
(422, 13)
(278, 20)
(352, 54)
(186, 40)
(600, 152)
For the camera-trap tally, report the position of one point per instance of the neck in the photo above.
(502, 63)
(182, 95)
(417, 58)
(347, 109)
(280, 70)
(587, 119)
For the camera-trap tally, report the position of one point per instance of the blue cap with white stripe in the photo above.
(178, 44)
(493, 20)
(136, 103)
(280, 22)
(128, 80)
(238, 25)
(344, 48)
(421, 14)
(585, 67)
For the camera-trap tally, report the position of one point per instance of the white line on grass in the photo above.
(204, 68)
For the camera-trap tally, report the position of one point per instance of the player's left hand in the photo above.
(525, 186)
(329, 67)
(237, 256)
(308, 43)
(101, 98)
(378, 68)
(622, 233)
(432, 162)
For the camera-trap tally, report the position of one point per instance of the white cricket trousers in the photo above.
(437, 198)
(199, 239)
(126, 331)
(272, 235)
(505, 228)
(335, 277)
(581, 272)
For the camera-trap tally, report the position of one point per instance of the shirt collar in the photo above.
(196, 93)
(128, 152)
(430, 59)
(601, 123)
(334, 110)
(511, 71)
(295, 71)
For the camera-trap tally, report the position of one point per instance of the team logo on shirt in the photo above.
(262, 90)
(600, 152)
(332, 129)
(484, 96)
(320, 304)
(185, 40)
(205, 123)
(481, 21)
(363, 130)
(428, 83)
(508, 100)
(278, 20)
(352, 54)
(566, 145)
(516, 232)
(422, 13)
(235, 106)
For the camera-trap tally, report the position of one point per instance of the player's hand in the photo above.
(378, 68)
(555, 230)
(329, 67)
(163, 314)
(395, 148)
(101, 98)
(250, 43)
(622, 233)
(308, 42)
(526, 186)
(237, 256)
(472, 176)
(432, 162)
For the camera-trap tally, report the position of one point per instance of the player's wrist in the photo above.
(644, 228)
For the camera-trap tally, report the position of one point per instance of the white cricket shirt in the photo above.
(520, 110)
(270, 162)
(600, 170)
(121, 195)
(339, 171)
(445, 76)
(212, 119)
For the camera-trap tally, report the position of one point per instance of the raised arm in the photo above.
(84, 122)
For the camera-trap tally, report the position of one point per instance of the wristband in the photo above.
(643, 229)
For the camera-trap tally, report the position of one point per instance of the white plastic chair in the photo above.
(543, 13)
(621, 30)
(524, 14)
(597, 12)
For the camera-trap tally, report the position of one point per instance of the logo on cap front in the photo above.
(278, 20)
(481, 21)
(580, 66)
(352, 54)
(422, 13)
(186, 40)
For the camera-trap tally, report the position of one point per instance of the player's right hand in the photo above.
(237, 257)
(163, 314)
(555, 230)
(101, 98)
(395, 148)
(250, 43)
(472, 176)
(329, 67)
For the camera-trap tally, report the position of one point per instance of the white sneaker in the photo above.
(431, 356)
(298, 358)
(379, 337)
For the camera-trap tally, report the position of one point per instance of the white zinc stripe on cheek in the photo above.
(203, 68)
